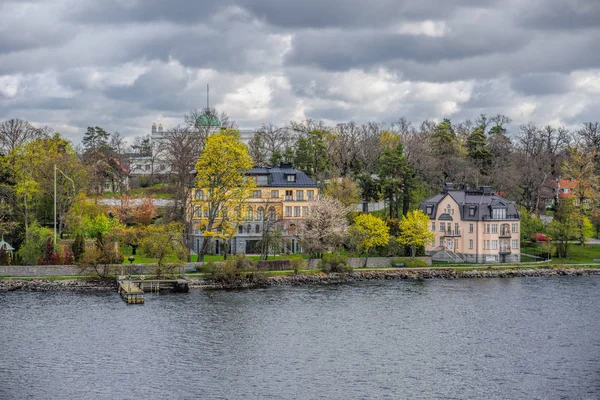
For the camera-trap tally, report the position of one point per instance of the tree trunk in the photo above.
(413, 251)
(203, 249)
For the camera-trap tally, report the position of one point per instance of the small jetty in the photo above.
(132, 290)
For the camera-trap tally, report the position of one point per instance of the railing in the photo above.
(505, 250)
(451, 232)
(507, 216)
(504, 233)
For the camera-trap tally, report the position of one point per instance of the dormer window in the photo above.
(291, 178)
(499, 213)
(471, 211)
(429, 209)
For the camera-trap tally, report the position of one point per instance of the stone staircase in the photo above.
(447, 256)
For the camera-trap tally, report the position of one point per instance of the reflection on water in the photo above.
(498, 338)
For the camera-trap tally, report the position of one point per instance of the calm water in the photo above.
(520, 338)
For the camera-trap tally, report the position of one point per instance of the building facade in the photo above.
(281, 199)
(473, 225)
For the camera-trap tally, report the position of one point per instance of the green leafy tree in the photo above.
(564, 226)
(530, 224)
(414, 231)
(311, 154)
(221, 176)
(368, 232)
(78, 247)
(345, 190)
(163, 241)
(394, 177)
(33, 248)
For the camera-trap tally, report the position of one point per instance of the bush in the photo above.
(237, 271)
(297, 264)
(334, 262)
(207, 267)
(410, 262)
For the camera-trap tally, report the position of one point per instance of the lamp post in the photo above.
(73, 183)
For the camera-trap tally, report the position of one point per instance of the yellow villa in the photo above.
(473, 225)
(281, 198)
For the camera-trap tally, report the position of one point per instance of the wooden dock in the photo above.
(130, 292)
(156, 285)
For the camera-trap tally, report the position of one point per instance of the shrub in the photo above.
(238, 270)
(297, 264)
(410, 262)
(334, 262)
(207, 267)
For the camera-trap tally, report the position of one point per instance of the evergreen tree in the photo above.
(477, 150)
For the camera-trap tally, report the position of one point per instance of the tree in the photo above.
(414, 231)
(311, 154)
(221, 175)
(368, 232)
(393, 178)
(345, 190)
(101, 258)
(445, 146)
(78, 247)
(33, 248)
(324, 228)
(162, 241)
(15, 133)
(563, 227)
(477, 150)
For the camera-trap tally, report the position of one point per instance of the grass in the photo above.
(576, 254)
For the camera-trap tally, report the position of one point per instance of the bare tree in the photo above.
(205, 121)
(16, 132)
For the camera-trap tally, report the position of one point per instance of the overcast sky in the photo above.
(123, 64)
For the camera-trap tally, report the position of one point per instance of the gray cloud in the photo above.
(124, 64)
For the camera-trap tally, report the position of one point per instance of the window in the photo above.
(289, 195)
(241, 229)
(305, 211)
(515, 228)
(256, 194)
(470, 243)
(432, 226)
(565, 190)
(147, 167)
(484, 246)
(448, 210)
(299, 195)
(494, 245)
(260, 214)
(471, 211)
(499, 213)
(515, 243)
(494, 228)
(262, 180)
(310, 194)
(257, 228)
(198, 212)
(470, 228)
(487, 228)
(456, 228)
(249, 214)
(442, 242)
(272, 214)
(429, 209)
(442, 226)
(206, 212)
(296, 211)
(288, 211)
(274, 194)
(291, 178)
(199, 195)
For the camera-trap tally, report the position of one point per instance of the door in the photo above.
(449, 243)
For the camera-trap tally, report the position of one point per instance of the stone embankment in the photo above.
(389, 274)
(302, 279)
(41, 285)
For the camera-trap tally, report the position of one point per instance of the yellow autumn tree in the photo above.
(221, 176)
(368, 232)
(414, 231)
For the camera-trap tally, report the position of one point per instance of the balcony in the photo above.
(504, 233)
(504, 250)
(451, 232)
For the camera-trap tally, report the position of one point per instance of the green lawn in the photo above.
(576, 254)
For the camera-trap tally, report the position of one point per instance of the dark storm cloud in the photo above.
(562, 14)
(541, 84)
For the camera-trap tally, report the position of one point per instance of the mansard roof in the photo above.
(278, 176)
(474, 204)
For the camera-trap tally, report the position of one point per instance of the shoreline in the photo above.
(46, 285)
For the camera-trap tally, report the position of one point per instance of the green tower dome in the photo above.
(208, 119)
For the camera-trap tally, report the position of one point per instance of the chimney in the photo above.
(160, 127)
(485, 189)
(448, 186)
(154, 127)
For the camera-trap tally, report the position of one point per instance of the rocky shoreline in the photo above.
(34, 285)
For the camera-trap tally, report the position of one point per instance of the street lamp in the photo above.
(73, 183)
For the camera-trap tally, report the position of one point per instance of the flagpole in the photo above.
(54, 204)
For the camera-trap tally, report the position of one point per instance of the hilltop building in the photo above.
(473, 225)
(280, 200)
